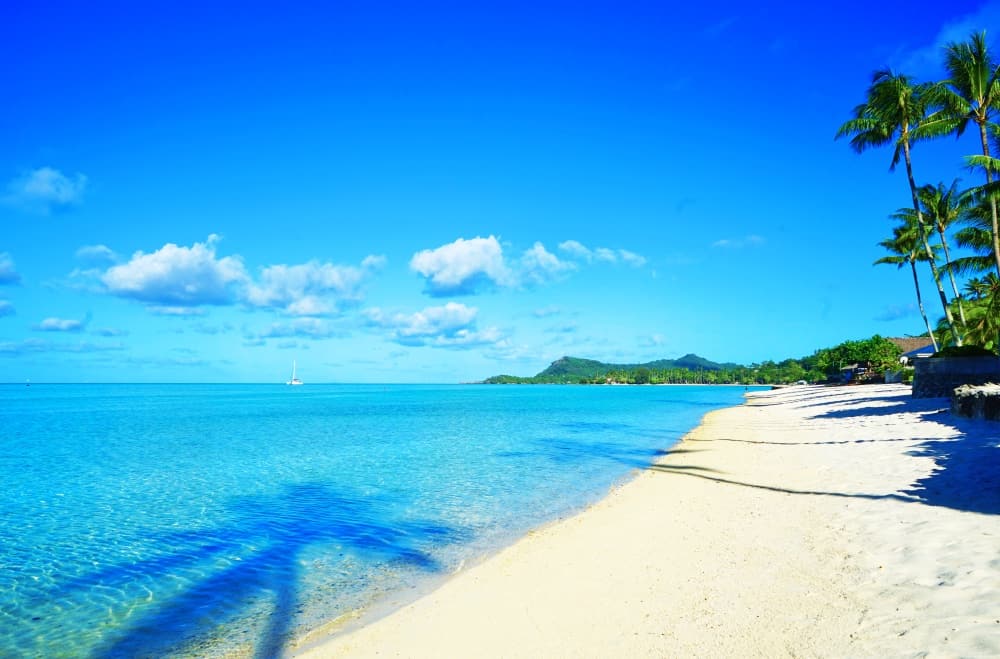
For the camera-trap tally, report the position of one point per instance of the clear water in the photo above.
(150, 520)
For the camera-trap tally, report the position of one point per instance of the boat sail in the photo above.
(294, 380)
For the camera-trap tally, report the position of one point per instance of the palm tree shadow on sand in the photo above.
(270, 532)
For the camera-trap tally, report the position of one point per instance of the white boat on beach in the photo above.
(294, 381)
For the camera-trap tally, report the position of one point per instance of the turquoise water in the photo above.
(149, 520)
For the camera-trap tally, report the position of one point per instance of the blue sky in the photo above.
(439, 192)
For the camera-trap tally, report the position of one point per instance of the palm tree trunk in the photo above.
(993, 201)
(920, 303)
(927, 245)
(951, 276)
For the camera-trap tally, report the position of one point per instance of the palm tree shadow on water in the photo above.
(270, 533)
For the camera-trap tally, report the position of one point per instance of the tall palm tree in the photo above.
(904, 248)
(974, 83)
(892, 114)
(942, 207)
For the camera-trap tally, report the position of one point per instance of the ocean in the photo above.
(157, 520)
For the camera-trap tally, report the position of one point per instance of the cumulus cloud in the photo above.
(179, 280)
(60, 325)
(6, 308)
(45, 189)
(463, 267)
(97, 255)
(452, 325)
(578, 250)
(538, 265)
(310, 289)
(574, 248)
(178, 277)
(8, 275)
(739, 243)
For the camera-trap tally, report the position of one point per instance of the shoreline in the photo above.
(809, 520)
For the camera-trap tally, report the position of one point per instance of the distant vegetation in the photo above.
(875, 353)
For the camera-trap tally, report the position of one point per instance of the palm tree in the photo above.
(904, 248)
(942, 208)
(984, 311)
(893, 113)
(974, 84)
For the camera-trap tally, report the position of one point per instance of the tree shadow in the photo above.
(827, 443)
(965, 476)
(966, 473)
(257, 557)
(693, 471)
(924, 407)
(568, 451)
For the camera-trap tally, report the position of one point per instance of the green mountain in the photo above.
(576, 369)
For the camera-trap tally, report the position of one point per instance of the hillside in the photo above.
(576, 369)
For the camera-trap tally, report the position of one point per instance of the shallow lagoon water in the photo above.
(205, 519)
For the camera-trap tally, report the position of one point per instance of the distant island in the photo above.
(689, 369)
(877, 354)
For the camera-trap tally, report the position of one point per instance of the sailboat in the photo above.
(294, 380)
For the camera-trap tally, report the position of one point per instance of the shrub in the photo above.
(964, 351)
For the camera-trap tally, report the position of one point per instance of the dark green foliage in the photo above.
(876, 353)
(964, 351)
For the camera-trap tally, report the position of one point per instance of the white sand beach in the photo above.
(811, 521)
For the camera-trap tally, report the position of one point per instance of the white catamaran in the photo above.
(294, 380)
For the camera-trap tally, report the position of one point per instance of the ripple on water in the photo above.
(196, 519)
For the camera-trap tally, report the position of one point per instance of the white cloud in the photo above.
(928, 61)
(539, 265)
(60, 325)
(6, 308)
(452, 325)
(43, 345)
(739, 243)
(576, 249)
(311, 328)
(45, 189)
(8, 275)
(545, 312)
(97, 255)
(605, 254)
(463, 267)
(632, 258)
(166, 310)
(178, 277)
(312, 288)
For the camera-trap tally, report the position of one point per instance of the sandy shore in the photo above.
(812, 521)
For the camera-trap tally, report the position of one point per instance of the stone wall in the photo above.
(937, 377)
(974, 402)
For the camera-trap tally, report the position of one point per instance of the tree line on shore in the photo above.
(900, 112)
(824, 365)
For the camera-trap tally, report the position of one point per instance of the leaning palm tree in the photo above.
(904, 248)
(942, 207)
(974, 86)
(893, 114)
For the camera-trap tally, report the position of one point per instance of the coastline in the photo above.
(810, 520)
